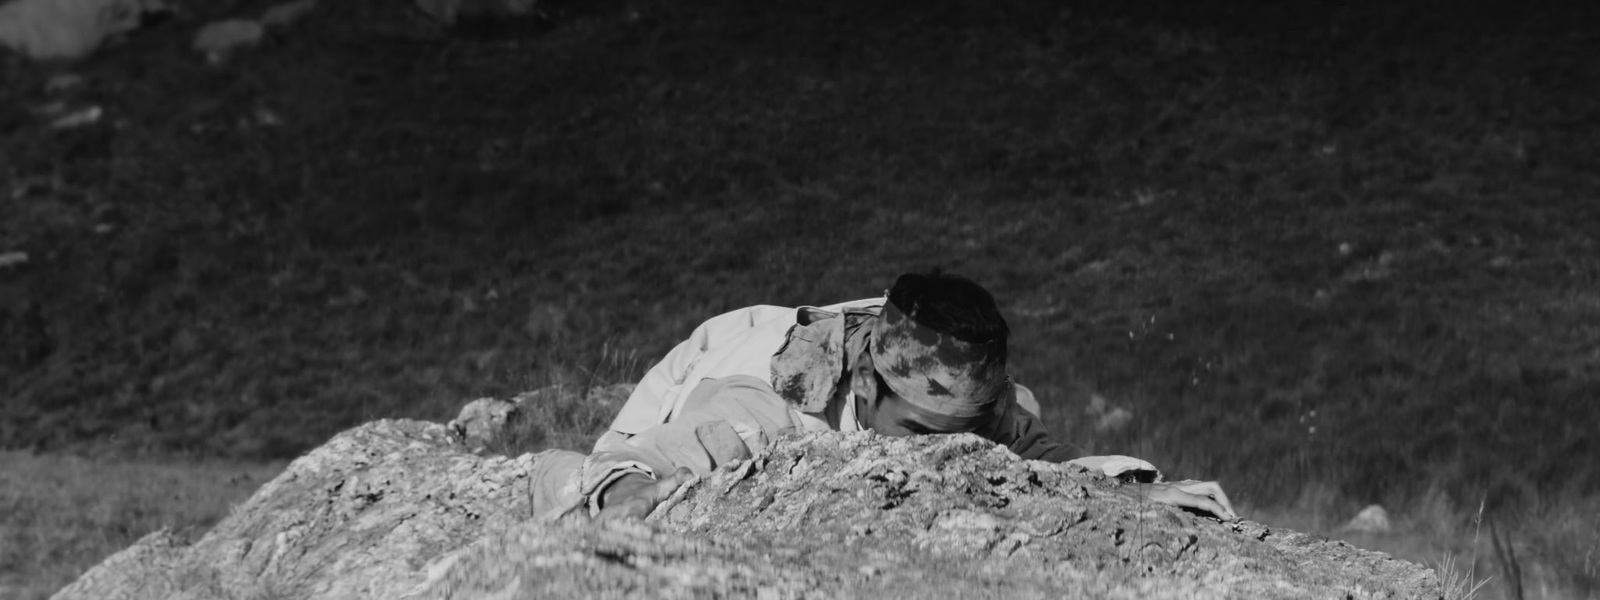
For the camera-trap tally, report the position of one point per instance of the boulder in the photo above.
(481, 422)
(403, 509)
(68, 29)
(1372, 519)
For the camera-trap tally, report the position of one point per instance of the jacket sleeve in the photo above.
(1026, 436)
(722, 420)
(1023, 432)
(656, 395)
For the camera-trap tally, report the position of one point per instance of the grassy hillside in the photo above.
(1351, 251)
(59, 515)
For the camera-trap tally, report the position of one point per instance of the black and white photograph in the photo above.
(799, 299)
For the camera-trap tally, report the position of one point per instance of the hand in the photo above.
(634, 496)
(1204, 496)
(1116, 465)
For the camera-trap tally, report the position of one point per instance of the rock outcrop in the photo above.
(401, 509)
(68, 29)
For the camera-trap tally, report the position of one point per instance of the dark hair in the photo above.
(950, 304)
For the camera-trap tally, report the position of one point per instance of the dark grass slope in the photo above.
(1239, 223)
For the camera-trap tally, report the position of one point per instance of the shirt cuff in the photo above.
(598, 473)
(1116, 465)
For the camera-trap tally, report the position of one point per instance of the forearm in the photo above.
(723, 420)
(556, 488)
(1039, 445)
(1025, 435)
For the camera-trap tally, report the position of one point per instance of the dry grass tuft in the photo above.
(1457, 585)
(1538, 553)
(60, 515)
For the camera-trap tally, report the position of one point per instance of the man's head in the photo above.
(936, 358)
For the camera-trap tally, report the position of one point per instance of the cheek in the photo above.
(863, 413)
(887, 418)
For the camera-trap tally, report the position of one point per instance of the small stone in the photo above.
(267, 117)
(481, 421)
(1372, 519)
(287, 13)
(219, 39)
(84, 116)
(63, 82)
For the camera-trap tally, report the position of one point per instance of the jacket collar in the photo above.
(808, 370)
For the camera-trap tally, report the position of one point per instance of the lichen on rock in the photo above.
(356, 518)
(404, 509)
(827, 515)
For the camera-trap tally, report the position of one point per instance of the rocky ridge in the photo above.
(403, 509)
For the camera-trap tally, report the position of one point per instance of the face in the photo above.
(880, 409)
(889, 414)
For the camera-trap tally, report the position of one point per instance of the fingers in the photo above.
(667, 485)
(1213, 491)
(1222, 499)
(1210, 506)
(1197, 496)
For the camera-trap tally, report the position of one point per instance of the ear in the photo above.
(862, 380)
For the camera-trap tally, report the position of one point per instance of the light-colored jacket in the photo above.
(711, 400)
(741, 342)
